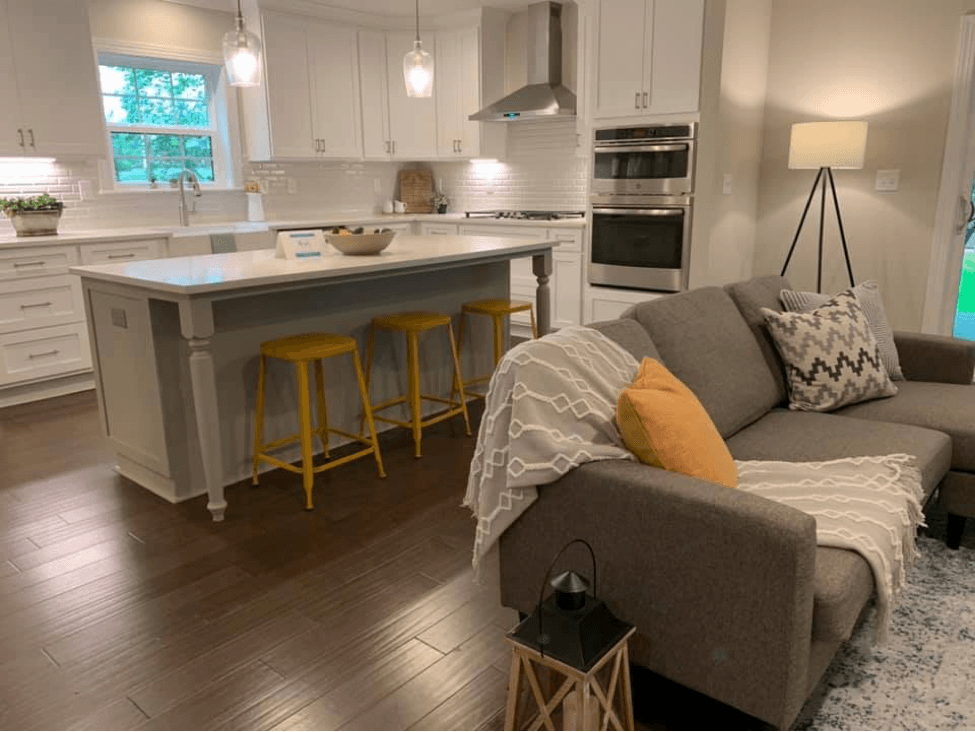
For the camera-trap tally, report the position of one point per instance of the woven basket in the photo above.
(416, 190)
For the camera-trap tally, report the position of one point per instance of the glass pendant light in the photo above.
(242, 54)
(418, 66)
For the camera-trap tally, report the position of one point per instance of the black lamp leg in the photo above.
(802, 220)
(822, 223)
(839, 219)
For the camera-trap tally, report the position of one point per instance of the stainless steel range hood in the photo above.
(544, 95)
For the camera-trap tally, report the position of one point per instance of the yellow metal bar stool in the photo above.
(413, 324)
(302, 350)
(498, 310)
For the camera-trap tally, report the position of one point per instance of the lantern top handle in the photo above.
(548, 575)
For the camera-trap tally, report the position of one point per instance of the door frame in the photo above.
(944, 265)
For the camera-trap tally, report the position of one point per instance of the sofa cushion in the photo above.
(947, 408)
(629, 334)
(751, 296)
(843, 581)
(842, 586)
(805, 436)
(706, 343)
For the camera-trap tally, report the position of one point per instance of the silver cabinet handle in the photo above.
(636, 102)
(31, 133)
(55, 352)
(388, 147)
(20, 136)
(35, 305)
(128, 255)
(645, 99)
(394, 147)
(460, 146)
(29, 264)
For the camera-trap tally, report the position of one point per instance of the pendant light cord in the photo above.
(417, 19)
(240, 16)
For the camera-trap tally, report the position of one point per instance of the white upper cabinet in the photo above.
(48, 80)
(458, 93)
(333, 53)
(412, 121)
(11, 124)
(620, 61)
(648, 57)
(375, 98)
(289, 93)
(308, 106)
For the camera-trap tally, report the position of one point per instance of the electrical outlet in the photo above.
(292, 186)
(888, 181)
(726, 184)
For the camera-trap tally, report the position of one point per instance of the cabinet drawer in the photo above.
(40, 302)
(529, 232)
(44, 352)
(121, 252)
(21, 263)
(438, 229)
(569, 240)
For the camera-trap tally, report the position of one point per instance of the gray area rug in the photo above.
(924, 677)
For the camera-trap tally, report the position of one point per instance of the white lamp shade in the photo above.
(836, 144)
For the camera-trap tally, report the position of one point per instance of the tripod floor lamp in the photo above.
(824, 146)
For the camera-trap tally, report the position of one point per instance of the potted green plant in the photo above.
(34, 215)
(440, 201)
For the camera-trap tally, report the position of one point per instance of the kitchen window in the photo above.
(163, 116)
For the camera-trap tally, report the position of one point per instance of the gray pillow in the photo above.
(873, 307)
(830, 354)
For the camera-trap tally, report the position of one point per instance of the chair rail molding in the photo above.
(947, 249)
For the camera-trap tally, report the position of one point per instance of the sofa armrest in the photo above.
(943, 359)
(718, 582)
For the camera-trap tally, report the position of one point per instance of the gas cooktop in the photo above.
(525, 215)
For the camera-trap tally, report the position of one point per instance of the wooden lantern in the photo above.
(580, 648)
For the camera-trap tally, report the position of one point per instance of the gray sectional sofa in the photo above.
(729, 592)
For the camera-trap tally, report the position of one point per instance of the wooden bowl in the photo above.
(358, 244)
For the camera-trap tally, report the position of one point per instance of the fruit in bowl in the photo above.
(357, 242)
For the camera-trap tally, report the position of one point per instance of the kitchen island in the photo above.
(175, 344)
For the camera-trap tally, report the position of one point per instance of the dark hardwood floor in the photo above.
(119, 610)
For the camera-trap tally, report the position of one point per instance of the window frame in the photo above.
(224, 130)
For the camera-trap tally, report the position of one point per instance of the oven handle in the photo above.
(641, 148)
(676, 211)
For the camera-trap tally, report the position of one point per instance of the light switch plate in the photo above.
(727, 183)
(888, 181)
(118, 318)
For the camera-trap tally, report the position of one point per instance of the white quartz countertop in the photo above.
(243, 227)
(212, 273)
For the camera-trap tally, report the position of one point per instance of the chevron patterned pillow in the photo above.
(830, 354)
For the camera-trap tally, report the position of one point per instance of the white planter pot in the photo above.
(36, 223)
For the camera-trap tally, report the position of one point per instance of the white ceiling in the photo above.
(389, 8)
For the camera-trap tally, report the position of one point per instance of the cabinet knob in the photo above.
(645, 99)
(20, 137)
(31, 133)
(394, 147)
(636, 102)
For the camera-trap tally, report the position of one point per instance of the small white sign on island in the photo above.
(303, 244)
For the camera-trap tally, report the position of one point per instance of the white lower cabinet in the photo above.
(565, 282)
(41, 353)
(40, 303)
(430, 229)
(609, 303)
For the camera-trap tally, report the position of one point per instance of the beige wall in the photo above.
(159, 23)
(741, 114)
(892, 63)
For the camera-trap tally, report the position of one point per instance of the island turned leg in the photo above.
(542, 267)
(196, 323)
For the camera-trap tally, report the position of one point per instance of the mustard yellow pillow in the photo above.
(664, 424)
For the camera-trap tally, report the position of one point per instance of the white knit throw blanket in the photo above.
(868, 504)
(550, 406)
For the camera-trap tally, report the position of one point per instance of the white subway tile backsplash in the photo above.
(541, 171)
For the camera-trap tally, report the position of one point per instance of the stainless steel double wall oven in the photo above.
(642, 206)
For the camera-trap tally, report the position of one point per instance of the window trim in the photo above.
(223, 102)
